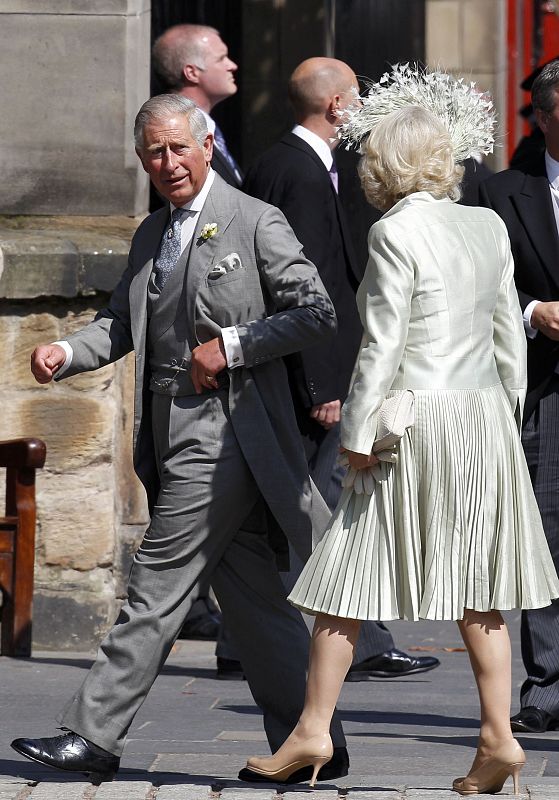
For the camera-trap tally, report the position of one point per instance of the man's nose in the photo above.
(232, 66)
(169, 160)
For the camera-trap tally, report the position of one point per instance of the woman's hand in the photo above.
(360, 460)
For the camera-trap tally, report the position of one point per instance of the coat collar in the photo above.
(151, 234)
(534, 207)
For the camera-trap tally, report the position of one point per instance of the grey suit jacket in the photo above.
(279, 305)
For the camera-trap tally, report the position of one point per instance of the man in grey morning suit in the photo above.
(215, 439)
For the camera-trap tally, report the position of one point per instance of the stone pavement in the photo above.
(407, 738)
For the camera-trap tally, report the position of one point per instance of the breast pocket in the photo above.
(213, 281)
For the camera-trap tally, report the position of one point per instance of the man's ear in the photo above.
(208, 147)
(191, 73)
(334, 105)
(541, 119)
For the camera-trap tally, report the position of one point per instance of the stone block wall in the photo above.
(75, 73)
(91, 507)
(468, 38)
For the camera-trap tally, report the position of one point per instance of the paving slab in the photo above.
(62, 791)
(14, 793)
(182, 793)
(129, 790)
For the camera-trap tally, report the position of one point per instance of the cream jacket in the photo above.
(439, 310)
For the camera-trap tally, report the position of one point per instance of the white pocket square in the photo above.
(228, 264)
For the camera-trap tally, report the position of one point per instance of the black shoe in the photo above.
(337, 767)
(392, 664)
(228, 669)
(202, 621)
(533, 720)
(72, 753)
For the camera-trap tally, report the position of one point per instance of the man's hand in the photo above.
(208, 360)
(327, 414)
(545, 318)
(46, 360)
(360, 460)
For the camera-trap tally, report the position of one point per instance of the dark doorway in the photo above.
(371, 35)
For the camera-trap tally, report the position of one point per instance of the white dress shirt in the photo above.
(231, 342)
(319, 146)
(552, 170)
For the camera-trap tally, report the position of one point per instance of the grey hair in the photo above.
(545, 86)
(177, 46)
(409, 150)
(164, 105)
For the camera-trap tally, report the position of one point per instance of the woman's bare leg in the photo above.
(487, 640)
(332, 645)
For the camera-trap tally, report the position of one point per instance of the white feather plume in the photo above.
(467, 113)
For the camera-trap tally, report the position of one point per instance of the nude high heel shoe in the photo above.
(292, 756)
(491, 776)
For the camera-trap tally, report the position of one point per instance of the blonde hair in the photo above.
(409, 150)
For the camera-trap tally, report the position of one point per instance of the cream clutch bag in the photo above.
(395, 416)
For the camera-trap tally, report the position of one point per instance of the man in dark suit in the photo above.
(192, 60)
(298, 174)
(216, 292)
(527, 199)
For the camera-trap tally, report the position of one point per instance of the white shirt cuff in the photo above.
(69, 355)
(233, 349)
(531, 333)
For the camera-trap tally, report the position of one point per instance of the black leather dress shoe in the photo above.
(533, 720)
(337, 767)
(72, 753)
(228, 669)
(392, 664)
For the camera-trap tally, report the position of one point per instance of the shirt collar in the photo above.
(197, 202)
(318, 145)
(552, 170)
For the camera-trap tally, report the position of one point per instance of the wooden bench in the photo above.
(20, 457)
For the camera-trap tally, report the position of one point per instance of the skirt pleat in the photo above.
(453, 524)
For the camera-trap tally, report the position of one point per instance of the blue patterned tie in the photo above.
(222, 147)
(170, 250)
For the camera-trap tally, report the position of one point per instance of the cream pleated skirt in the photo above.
(452, 525)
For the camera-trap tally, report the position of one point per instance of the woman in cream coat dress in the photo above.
(451, 530)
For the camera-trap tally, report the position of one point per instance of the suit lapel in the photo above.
(139, 284)
(347, 240)
(202, 253)
(534, 206)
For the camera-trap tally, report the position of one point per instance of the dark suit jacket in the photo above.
(474, 175)
(221, 166)
(523, 200)
(292, 177)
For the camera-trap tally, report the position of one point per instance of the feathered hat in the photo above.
(467, 114)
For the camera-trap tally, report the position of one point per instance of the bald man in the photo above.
(192, 60)
(298, 174)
